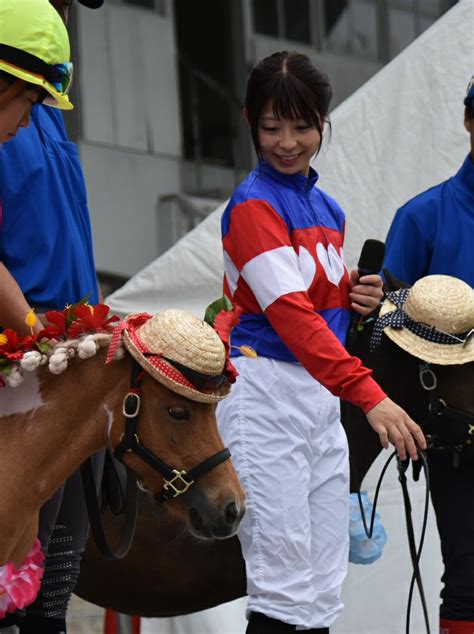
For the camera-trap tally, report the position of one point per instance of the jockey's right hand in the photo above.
(393, 425)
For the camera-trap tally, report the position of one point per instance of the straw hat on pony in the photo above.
(433, 320)
(34, 48)
(181, 351)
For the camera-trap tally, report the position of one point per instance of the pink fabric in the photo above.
(20, 586)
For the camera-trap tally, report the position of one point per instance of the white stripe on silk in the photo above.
(231, 273)
(273, 274)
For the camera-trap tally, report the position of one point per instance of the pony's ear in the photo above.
(392, 283)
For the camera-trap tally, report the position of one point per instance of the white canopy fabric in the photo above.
(399, 134)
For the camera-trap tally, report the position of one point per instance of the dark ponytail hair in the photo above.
(297, 88)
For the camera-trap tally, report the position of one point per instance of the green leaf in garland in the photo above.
(5, 366)
(223, 303)
(43, 346)
(71, 310)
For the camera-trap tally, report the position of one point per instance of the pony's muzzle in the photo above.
(209, 522)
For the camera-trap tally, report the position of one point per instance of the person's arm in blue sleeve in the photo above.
(408, 247)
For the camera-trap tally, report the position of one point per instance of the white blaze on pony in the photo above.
(74, 407)
(22, 399)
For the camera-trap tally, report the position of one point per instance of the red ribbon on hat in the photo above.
(132, 323)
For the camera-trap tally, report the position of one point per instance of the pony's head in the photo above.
(170, 438)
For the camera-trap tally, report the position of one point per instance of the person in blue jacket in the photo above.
(432, 234)
(46, 262)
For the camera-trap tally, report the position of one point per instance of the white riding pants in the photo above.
(290, 452)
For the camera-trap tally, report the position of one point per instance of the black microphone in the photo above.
(370, 262)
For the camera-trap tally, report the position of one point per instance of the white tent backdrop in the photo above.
(399, 134)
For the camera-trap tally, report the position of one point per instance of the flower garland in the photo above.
(20, 586)
(79, 329)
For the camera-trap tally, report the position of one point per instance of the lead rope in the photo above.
(415, 553)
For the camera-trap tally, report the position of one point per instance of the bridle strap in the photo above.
(209, 464)
(92, 503)
(170, 490)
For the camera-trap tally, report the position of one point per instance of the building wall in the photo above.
(130, 134)
(123, 189)
(128, 69)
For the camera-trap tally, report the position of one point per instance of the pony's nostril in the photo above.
(231, 513)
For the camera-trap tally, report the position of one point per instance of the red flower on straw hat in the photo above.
(224, 321)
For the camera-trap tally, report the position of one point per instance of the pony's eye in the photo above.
(179, 413)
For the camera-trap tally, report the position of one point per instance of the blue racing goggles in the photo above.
(61, 76)
(58, 75)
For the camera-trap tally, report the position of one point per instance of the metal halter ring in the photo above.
(137, 405)
(424, 372)
(440, 406)
(178, 478)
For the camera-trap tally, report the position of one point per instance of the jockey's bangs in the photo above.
(291, 99)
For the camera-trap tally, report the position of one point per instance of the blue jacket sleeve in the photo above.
(408, 246)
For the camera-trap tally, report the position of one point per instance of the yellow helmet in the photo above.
(34, 47)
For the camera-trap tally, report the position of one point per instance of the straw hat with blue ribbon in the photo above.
(34, 48)
(433, 320)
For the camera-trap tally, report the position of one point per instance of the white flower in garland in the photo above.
(58, 360)
(79, 328)
(31, 360)
(87, 347)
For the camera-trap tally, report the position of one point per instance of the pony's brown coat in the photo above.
(42, 447)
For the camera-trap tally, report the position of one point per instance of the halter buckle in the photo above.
(126, 402)
(178, 477)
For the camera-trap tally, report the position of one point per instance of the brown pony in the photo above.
(51, 423)
(168, 573)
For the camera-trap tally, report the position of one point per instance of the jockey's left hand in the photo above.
(366, 292)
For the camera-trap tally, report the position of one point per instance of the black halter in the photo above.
(176, 481)
(445, 427)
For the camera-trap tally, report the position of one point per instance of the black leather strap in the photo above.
(131, 507)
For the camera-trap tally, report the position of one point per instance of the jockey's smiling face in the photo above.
(287, 144)
(62, 7)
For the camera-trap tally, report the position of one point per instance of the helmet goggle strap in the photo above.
(59, 75)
